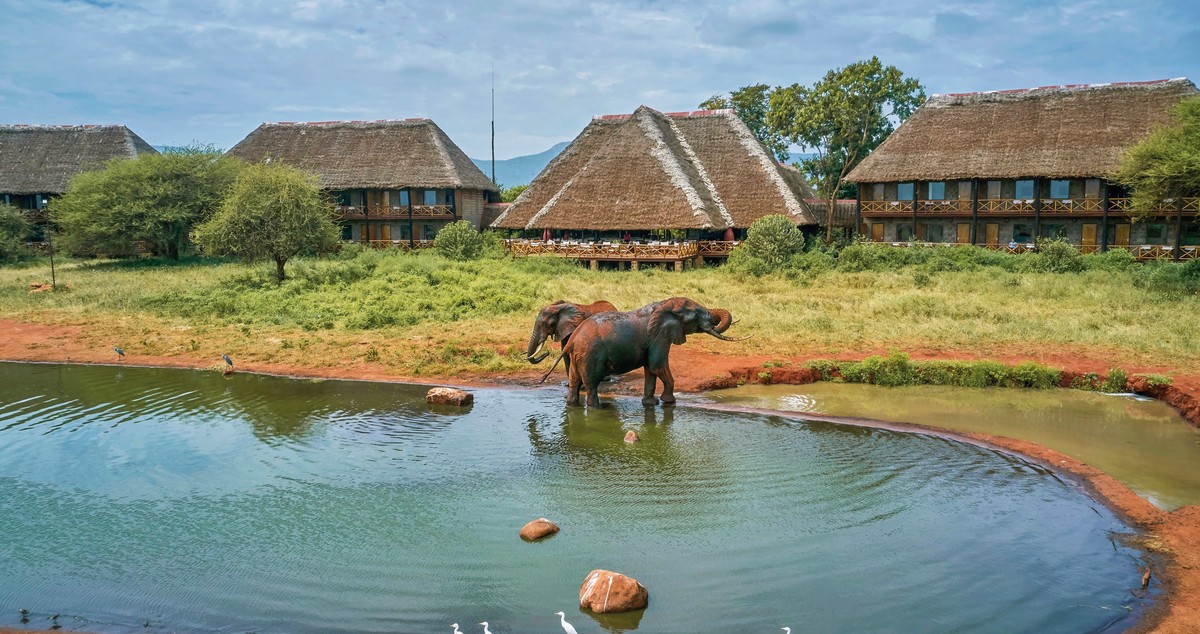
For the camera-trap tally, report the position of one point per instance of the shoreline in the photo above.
(1170, 539)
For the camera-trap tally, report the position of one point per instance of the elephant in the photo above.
(615, 343)
(558, 321)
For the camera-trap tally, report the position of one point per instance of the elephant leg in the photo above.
(668, 381)
(648, 398)
(574, 381)
(593, 389)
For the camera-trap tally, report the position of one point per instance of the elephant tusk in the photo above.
(539, 358)
(724, 338)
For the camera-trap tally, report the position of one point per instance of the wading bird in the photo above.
(120, 353)
(485, 628)
(786, 630)
(455, 626)
(567, 627)
(228, 361)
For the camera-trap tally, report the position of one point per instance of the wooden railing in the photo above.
(887, 206)
(396, 213)
(1072, 205)
(403, 245)
(606, 250)
(1005, 205)
(716, 248)
(1159, 252)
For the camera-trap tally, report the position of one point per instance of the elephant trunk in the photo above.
(726, 319)
(537, 341)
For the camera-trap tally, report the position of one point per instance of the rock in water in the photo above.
(631, 436)
(537, 529)
(449, 396)
(607, 591)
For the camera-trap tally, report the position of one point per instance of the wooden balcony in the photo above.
(897, 207)
(403, 245)
(607, 251)
(1023, 206)
(424, 212)
(716, 248)
(1072, 206)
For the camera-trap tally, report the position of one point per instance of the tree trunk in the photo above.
(279, 262)
(829, 219)
(173, 250)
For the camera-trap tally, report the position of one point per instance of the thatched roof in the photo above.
(391, 154)
(1074, 131)
(36, 159)
(649, 170)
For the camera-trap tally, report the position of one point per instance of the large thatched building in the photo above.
(1004, 169)
(701, 172)
(38, 162)
(395, 180)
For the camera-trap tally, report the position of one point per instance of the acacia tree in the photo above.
(1166, 164)
(841, 119)
(14, 229)
(751, 104)
(275, 212)
(155, 199)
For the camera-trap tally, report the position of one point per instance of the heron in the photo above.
(786, 630)
(567, 627)
(485, 628)
(120, 353)
(228, 361)
(455, 626)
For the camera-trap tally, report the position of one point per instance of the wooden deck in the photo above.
(1141, 252)
(681, 254)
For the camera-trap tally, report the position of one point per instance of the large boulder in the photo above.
(449, 396)
(537, 529)
(607, 591)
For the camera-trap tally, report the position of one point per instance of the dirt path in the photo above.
(1173, 537)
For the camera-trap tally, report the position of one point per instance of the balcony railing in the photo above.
(716, 248)
(396, 213)
(403, 245)
(1072, 205)
(670, 251)
(1025, 206)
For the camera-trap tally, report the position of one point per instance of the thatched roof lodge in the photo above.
(1007, 168)
(38, 162)
(701, 171)
(394, 178)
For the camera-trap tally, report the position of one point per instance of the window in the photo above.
(1060, 189)
(1023, 234)
(964, 190)
(347, 234)
(1091, 188)
(904, 233)
(1156, 233)
(993, 190)
(1054, 231)
(430, 197)
(1191, 236)
(429, 232)
(405, 234)
(1024, 189)
(937, 191)
(877, 191)
(343, 198)
(450, 197)
(904, 191)
(400, 198)
(935, 233)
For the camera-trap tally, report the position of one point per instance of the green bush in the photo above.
(897, 369)
(1116, 382)
(1055, 256)
(1114, 260)
(459, 241)
(14, 230)
(771, 244)
(1170, 279)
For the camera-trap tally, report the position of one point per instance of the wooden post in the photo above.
(411, 232)
(1104, 217)
(858, 208)
(974, 210)
(633, 266)
(594, 265)
(1176, 252)
(916, 188)
(678, 265)
(1037, 210)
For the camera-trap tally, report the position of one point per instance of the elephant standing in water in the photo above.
(558, 321)
(615, 343)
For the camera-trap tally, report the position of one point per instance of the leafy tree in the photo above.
(770, 244)
(1166, 164)
(156, 199)
(842, 118)
(509, 194)
(14, 229)
(459, 241)
(273, 211)
(751, 104)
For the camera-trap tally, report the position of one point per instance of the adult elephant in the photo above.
(615, 343)
(558, 321)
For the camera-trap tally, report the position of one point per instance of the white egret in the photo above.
(455, 626)
(787, 630)
(485, 628)
(567, 627)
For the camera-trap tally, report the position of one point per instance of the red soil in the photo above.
(1174, 538)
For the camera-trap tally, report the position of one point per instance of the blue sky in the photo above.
(210, 71)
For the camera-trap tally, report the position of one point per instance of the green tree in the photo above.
(1165, 164)
(155, 199)
(509, 194)
(273, 211)
(842, 118)
(15, 228)
(459, 241)
(751, 104)
(771, 243)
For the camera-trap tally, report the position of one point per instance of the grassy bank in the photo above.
(421, 314)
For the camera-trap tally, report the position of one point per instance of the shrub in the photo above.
(1055, 256)
(1116, 382)
(770, 245)
(1170, 279)
(459, 241)
(14, 230)
(1113, 260)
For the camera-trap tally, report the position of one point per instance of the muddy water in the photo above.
(1141, 442)
(168, 500)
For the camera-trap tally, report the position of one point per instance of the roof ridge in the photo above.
(669, 161)
(443, 153)
(1067, 87)
(674, 115)
(702, 172)
(409, 120)
(69, 126)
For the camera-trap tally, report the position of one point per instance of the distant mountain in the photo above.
(520, 170)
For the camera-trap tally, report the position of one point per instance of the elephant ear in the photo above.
(664, 322)
(569, 318)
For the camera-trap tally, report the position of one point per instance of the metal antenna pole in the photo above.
(50, 245)
(494, 125)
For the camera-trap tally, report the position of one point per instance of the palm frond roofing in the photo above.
(649, 170)
(1074, 131)
(36, 159)
(389, 154)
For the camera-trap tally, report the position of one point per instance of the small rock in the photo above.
(537, 529)
(607, 591)
(449, 396)
(631, 436)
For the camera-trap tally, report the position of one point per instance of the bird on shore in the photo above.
(24, 615)
(120, 353)
(485, 628)
(455, 626)
(567, 627)
(786, 630)
(228, 361)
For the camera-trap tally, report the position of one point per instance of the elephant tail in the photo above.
(551, 370)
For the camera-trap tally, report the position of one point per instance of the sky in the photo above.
(210, 71)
